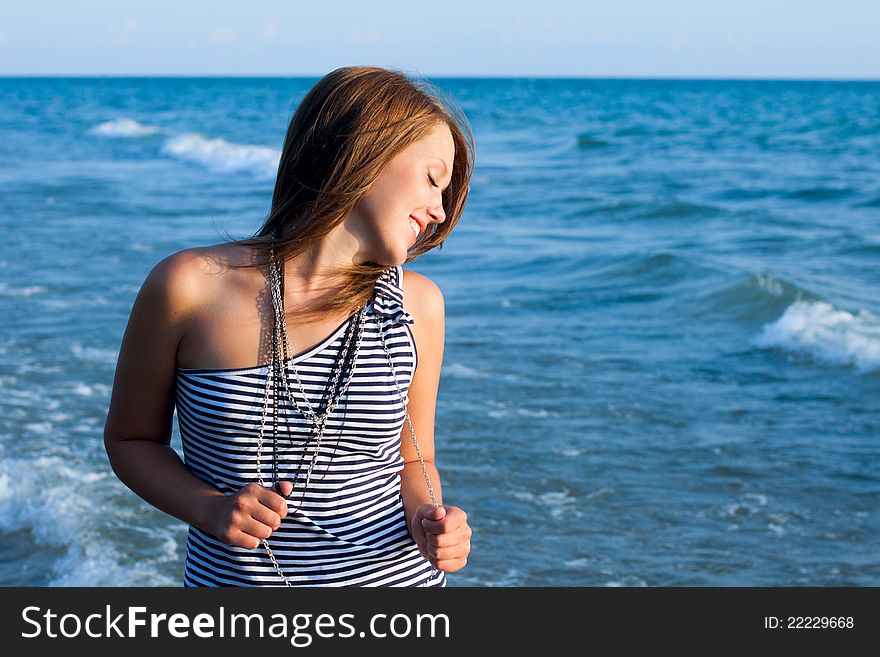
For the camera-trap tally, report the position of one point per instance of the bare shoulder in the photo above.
(179, 267)
(177, 282)
(188, 275)
(142, 400)
(424, 301)
(423, 298)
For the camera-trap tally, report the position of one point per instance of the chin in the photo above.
(390, 258)
(405, 253)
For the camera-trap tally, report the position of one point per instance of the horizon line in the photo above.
(742, 78)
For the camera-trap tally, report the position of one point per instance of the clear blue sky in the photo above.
(674, 38)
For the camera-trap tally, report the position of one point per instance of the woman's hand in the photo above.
(251, 514)
(442, 536)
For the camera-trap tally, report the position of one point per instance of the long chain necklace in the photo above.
(277, 376)
(279, 372)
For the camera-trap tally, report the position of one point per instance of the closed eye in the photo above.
(432, 181)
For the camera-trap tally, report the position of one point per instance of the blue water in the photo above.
(662, 358)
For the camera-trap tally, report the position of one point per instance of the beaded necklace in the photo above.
(334, 391)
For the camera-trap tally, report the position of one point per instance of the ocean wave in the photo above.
(124, 127)
(213, 153)
(219, 155)
(7, 290)
(67, 509)
(755, 298)
(826, 333)
(654, 269)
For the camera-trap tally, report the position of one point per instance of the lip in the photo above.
(421, 229)
(421, 225)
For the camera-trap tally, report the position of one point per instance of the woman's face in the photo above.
(382, 219)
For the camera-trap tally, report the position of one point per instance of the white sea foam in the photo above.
(215, 154)
(223, 156)
(511, 577)
(769, 284)
(39, 428)
(80, 388)
(459, 370)
(123, 127)
(749, 504)
(94, 354)
(526, 412)
(558, 503)
(628, 580)
(93, 563)
(67, 507)
(46, 497)
(7, 290)
(582, 562)
(826, 333)
(601, 492)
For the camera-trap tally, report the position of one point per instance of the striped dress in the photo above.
(348, 528)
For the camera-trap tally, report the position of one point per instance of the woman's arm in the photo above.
(425, 303)
(137, 433)
(442, 534)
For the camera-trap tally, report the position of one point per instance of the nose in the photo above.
(438, 214)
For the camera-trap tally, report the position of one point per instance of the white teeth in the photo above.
(415, 226)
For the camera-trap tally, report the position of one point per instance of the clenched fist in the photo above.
(442, 536)
(249, 515)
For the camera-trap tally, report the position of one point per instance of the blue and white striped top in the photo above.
(351, 529)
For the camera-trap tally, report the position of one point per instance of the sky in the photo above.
(452, 38)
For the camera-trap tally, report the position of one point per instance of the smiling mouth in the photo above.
(416, 228)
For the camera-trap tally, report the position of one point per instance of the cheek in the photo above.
(367, 210)
(374, 221)
(379, 210)
(376, 202)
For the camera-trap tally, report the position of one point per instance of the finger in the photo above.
(457, 551)
(434, 512)
(240, 539)
(432, 525)
(255, 528)
(418, 532)
(459, 535)
(266, 516)
(453, 519)
(274, 501)
(441, 526)
(450, 565)
(284, 488)
(428, 512)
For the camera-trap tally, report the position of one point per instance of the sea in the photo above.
(662, 351)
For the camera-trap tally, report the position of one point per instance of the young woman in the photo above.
(305, 389)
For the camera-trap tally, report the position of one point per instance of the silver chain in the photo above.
(318, 421)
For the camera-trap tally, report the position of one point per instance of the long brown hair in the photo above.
(347, 128)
